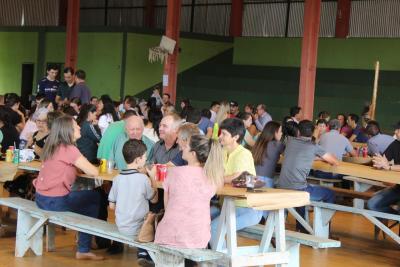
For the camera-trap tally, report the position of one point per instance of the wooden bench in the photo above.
(324, 181)
(31, 220)
(362, 185)
(256, 231)
(351, 193)
(323, 213)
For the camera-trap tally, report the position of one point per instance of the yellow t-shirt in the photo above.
(239, 160)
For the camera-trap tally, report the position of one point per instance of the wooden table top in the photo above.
(36, 165)
(359, 170)
(263, 199)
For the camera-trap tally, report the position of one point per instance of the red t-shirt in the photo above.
(58, 173)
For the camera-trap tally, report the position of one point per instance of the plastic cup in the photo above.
(161, 172)
(110, 166)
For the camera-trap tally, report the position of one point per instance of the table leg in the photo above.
(226, 228)
(360, 187)
(218, 241)
(231, 225)
(280, 238)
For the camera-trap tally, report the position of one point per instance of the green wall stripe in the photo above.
(351, 53)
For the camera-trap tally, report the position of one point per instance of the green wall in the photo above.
(332, 53)
(16, 48)
(100, 55)
(141, 74)
(266, 70)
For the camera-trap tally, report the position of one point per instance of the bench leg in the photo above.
(166, 260)
(294, 256)
(50, 237)
(322, 219)
(29, 234)
(360, 187)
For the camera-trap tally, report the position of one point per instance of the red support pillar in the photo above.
(343, 18)
(171, 64)
(71, 43)
(309, 52)
(149, 14)
(236, 23)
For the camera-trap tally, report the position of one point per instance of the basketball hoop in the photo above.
(159, 53)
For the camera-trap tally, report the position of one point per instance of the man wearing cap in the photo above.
(390, 161)
(234, 109)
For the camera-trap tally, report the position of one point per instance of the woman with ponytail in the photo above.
(187, 194)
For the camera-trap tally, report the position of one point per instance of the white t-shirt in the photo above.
(131, 192)
(151, 134)
(104, 121)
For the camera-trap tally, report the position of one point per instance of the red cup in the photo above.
(161, 173)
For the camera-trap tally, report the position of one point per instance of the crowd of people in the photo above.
(70, 129)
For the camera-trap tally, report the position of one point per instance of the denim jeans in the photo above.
(269, 183)
(327, 175)
(245, 217)
(317, 193)
(383, 200)
(85, 202)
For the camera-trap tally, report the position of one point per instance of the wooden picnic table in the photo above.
(358, 170)
(274, 200)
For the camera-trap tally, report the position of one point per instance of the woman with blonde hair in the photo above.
(53, 186)
(187, 194)
(223, 112)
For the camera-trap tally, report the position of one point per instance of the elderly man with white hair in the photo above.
(134, 127)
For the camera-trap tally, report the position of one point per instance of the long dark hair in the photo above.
(155, 117)
(266, 136)
(84, 113)
(109, 109)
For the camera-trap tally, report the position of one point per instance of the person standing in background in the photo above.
(81, 90)
(49, 85)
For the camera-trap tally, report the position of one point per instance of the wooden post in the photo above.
(171, 64)
(375, 91)
(236, 22)
(342, 18)
(309, 51)
(71, 42)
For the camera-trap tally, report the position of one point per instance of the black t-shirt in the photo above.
(10, 137)
(393, 152)
(14, 117)
(48, 88)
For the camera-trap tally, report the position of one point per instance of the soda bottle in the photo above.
(215, 131)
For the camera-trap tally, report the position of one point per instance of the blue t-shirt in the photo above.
(48, 88)
(204, 124)
(178, 160)
(361, 136)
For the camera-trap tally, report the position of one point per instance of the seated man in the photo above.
(384, 199)
(300, 154)
(359, 134)
(377, 142)
(185, 132)
(134, 127)
(237, 160)
(108, 139)
(335, 143)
